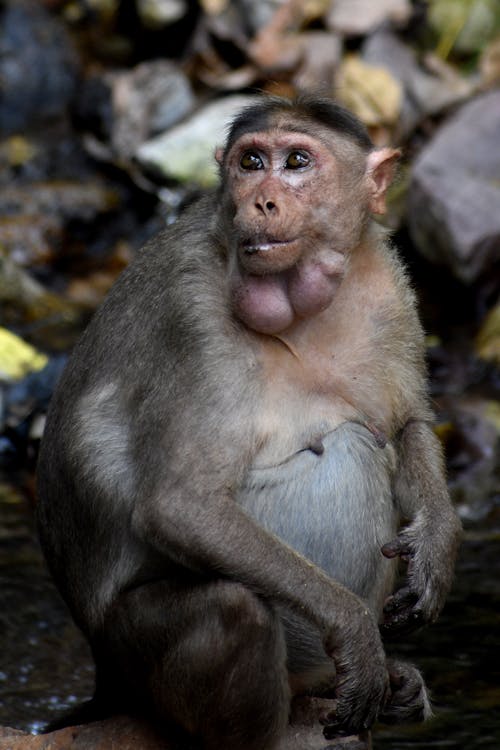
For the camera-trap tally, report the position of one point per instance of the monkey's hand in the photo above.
(429, 575)
(362, 681)
(408, 699)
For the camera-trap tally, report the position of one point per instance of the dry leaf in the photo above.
(370, 91)
(214, 7)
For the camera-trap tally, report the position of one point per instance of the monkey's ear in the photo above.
(219, 155)
(380, 169)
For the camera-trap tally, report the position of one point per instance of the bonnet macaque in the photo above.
(234, 447)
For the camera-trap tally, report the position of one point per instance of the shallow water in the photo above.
(45, 664)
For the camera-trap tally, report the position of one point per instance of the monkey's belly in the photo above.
(335, 508)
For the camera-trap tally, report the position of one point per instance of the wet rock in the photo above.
(23, 405)
(69, 200)
(124, 109)
(454, 192)
(32, 217)
(38, 66)
(122, 732)
(473, 452)
(24, 301)
(186, 152)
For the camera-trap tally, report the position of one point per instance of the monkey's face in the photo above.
(298, 204)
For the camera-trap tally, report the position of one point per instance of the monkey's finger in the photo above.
(402, 599)
(401, 623)
(397, 548)
(350, 720)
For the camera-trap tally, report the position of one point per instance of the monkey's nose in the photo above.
(266, 207)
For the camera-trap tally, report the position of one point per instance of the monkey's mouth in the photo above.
(264, 246)
(266, 255)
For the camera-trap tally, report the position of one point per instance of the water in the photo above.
(45, 664)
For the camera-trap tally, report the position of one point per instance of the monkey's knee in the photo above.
(409, 700)
(230, 682)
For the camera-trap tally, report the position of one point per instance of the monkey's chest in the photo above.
(335, 507)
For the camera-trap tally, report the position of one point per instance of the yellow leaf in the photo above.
(488, 338)
(17, 358)
(214, 7)
(370, 91)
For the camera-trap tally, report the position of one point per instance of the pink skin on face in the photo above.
(278, 278)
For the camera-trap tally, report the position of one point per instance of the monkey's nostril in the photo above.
(265, 207)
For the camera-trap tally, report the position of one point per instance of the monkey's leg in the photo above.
(313, 682)
(209, 657)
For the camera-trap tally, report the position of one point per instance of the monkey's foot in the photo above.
(309, 725)
(304, 738)
(313, 738)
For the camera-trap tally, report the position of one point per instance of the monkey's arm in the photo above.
(195, 521)
(429, 544)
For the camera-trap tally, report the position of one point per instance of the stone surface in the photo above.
(362, 16)
(38, 66)
(424, 93)
(454, 196)
(120, 732)
(186, 152)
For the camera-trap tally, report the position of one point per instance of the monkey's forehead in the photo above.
(288, 133)
(283, 137)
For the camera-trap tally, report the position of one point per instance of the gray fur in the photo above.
(330, 506)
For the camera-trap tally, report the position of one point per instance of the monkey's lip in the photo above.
(264, 255)
(265, 246)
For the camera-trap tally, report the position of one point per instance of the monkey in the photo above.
(240, 451)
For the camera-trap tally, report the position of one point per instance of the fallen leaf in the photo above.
(370, 91)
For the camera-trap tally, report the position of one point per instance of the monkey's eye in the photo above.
(297, 160)
(251, 160)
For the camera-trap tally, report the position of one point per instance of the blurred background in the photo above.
(110, 113)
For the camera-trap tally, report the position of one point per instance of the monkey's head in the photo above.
(299, 180)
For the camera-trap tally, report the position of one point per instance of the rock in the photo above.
(473, 451)
(24, 300)
(155, 14)
(424, 93)
(127, 108)
(186, 152)
(454, 195)
(34, 216)
(38, 66)
(120, 731)
(359, 17)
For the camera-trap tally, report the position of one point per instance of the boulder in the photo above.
(454, 194)
(120, 731)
